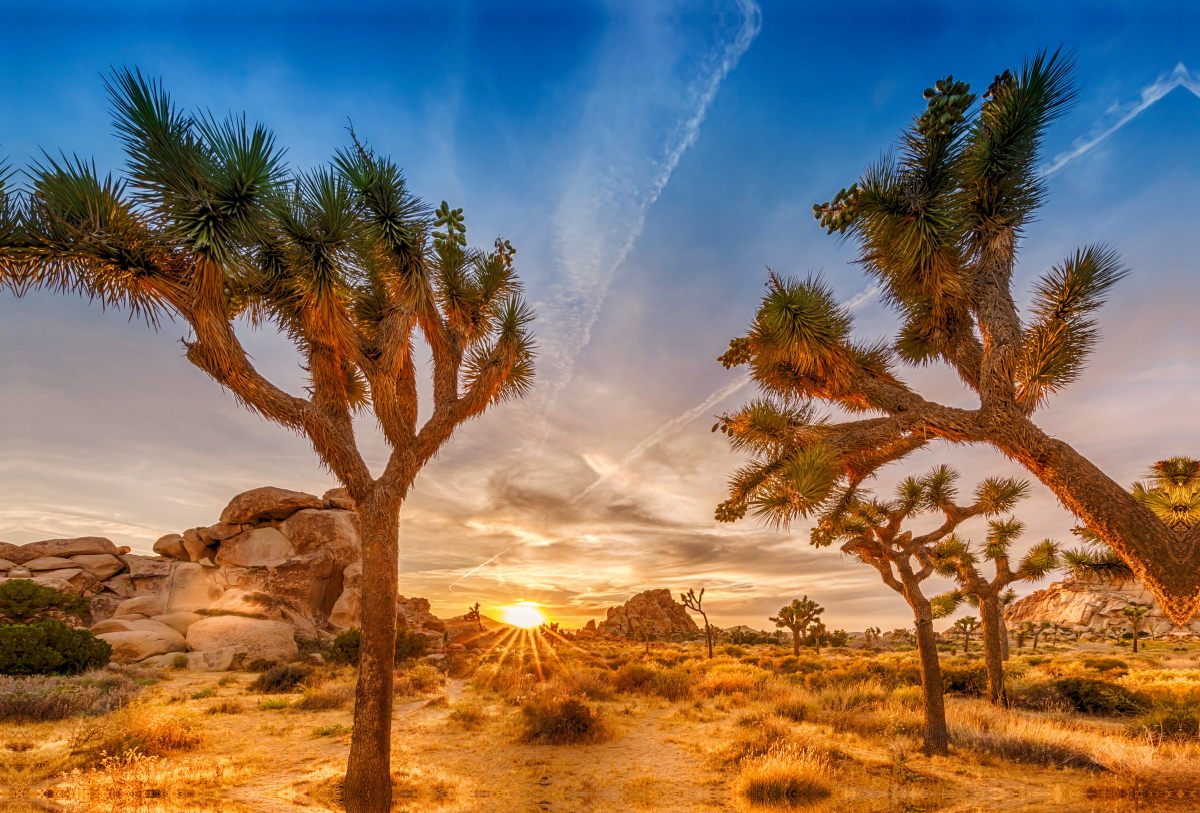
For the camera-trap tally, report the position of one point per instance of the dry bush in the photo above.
(130, 781)
(674, 685)
(44, 698)
(151, 731)
(756, 739)
(322, 699)
(562, 720)
(594, 684)
(1019, 738)
(786, 777)
(797, 707)
(469, 715)
(642, 792)
(227, 706)
(283, 679)
(731, 679)
(635, 677)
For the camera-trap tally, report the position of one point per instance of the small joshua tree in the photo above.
(1135, 614)
(966, 626)
(474, 615)
(956, 558)
(643, 629)
(873, 532)
(1034, 631)
(1021, 634)
(695, 603)
(796, 617)
(817, 631)
(872, 636)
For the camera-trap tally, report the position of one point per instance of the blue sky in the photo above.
(648, 160)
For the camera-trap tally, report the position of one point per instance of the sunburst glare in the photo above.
(523, 614)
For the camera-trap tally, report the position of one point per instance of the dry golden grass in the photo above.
(785, 777)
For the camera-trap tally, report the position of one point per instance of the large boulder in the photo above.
(257, 637)
(141, 606)
(347, 610)
(76, 580)
(266, 503)
(1091, 605)
(301, 582)
(171, 546)
(336, 531)
(60, 547)
(100, 565)
(257, 548)
(245, 603)
(48, 563)
(214, 660)
(11, 553)
(140, 639)
(178, 621)
(190, 589)
(655, 608)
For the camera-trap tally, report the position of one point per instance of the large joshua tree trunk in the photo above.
(937, 738)
(371, 747)
(993, 648)
(795, 642)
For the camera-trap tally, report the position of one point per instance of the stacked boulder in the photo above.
(1091, 605)
(655, 609)
(279, 566)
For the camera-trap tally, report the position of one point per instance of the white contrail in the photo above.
(1180, 77)
(485, 564)
(672, 426)
(589, 258)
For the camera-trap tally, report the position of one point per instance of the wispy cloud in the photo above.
(603, 211)
(1121, 114)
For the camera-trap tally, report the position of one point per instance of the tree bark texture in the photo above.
(993, 652)
(368, 787)
(937, 737)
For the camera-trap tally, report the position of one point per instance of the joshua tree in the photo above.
(938, 225)
(872, 635)
(796, 617)
(1135, 614)
(956, 558)
(1021, 634)
(474, 615)
(694, 602)
(1034, 631)
(644, 630)
(208, 225)
(966, 626)
(873, 532)
(817, 630)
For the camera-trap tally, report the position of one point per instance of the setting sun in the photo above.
(523, 614)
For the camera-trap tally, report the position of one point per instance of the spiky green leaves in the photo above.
(1056, 343)
(208, 180)
(1172, 491)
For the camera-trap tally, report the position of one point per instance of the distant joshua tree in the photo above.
(872, 636)
(474, 615)
(966, 626)
(209, 225)
(796, 617)
(956, 558)
(938, 225)
(1136, 615)
(1034, 631)
(817, 632)
(695, 603)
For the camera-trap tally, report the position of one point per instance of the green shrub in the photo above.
(1172, 720)
(335, 730)
(277, 704)
(50, 647)
(1094, 696)
(562, 721)
(734, 651)
(969, 680)
(24, 601)
(204, 693)
(409, 644)
(280, 679)
(1115, 665)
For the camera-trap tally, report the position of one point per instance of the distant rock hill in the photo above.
(656, 608)
(1093, 605)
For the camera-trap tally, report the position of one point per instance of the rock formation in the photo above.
(656, 608)
(1093, 605)
(279, 565)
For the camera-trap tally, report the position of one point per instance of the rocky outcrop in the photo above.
(1093, 605)
(655, 608)
(279, 565)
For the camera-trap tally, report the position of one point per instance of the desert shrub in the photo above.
(634, 677)
(335, 730)
(409, 644)
(227, 706)
(969, 680)
(734, 651)
(321, 699)
(792, 665)
(24, 602)
(731, 679)
(562, 720)
(469, 715)
(594, 684)
(151, 730)
(888, 673)
(785, 778)
(673, 685)
(204, 694)
(753, 740)
(34, 699)
(274, 704)
(424, 678)
(49, 647)
(1171, 720)
(793, 708)
(180, 661)
(262, 665)
(1113, 665)
(280, 679)
(987, 729)
(1094, 696)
